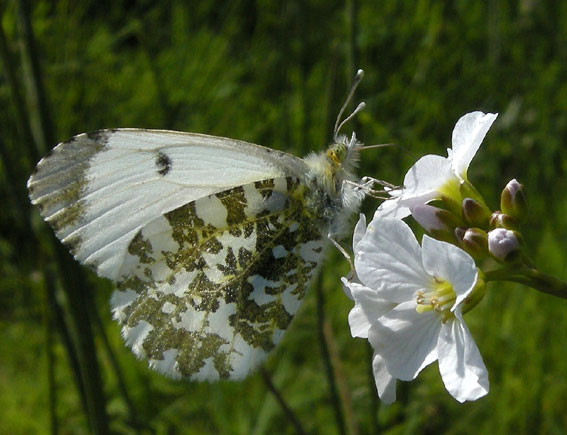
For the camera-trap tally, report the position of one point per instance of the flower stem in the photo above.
(532, 278)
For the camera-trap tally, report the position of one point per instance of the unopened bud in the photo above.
(435, 221)
(502, 243)
(475, 213)
(460, 233)
(501, 220)
(513, 200)
(434, 218)
(475, 242)
(476, 295)
(451, 203)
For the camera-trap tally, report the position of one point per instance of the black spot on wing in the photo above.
(163, 163)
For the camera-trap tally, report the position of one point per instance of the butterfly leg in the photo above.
(345, 254)
(366, 185)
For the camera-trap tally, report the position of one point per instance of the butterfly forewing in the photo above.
(97, 190)
(207, 289)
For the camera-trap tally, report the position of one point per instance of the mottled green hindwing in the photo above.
(208, 289)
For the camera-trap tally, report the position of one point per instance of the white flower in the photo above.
(433, 176)
(409, 305)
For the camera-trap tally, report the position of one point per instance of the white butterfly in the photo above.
(212, 241)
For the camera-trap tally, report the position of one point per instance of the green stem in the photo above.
(326, 357)
(97, 321)
(532, 278)
(49, 351)
(39, 118)
(72, 278)
(14, 85)
(281, 401)
(340, 378)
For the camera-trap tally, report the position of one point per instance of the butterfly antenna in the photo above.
(378, 145)
(338, 124)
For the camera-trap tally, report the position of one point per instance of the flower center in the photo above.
(451, 189)
(440, 298)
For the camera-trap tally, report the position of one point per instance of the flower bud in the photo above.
(501, 220)
(477, 294)
(475, 213)
(513, 200)
(434, 218)
(435, 221)
(467, 190)
(502, 243)
(475, 243)
(460, 233)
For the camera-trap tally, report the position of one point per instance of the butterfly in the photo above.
(211, 242)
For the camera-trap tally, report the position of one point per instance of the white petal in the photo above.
(460, 363)
(347, 283)
(399, 208)
(358, 322)
(388, 258)
(406, 340)
(394, 208)
(385, 383)
(367, 309)
(428, 174)
(467, 137)
(450, 263)
(421, 185)
(359, 231)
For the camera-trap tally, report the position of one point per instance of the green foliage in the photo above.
(274, 73)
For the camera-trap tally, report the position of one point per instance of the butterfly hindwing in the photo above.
(209, 288)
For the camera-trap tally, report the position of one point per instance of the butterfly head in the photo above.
(343, 154)
(335, 188)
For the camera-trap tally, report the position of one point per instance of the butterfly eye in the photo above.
(332, 155)
(337, 153)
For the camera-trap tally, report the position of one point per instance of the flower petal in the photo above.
(368, 308)
(460, 363)
(468, 134)
(388, 258)
(359, 231)
(426, 175)
(421, 185)
(406, 340)
(385, 383)
(449, 263)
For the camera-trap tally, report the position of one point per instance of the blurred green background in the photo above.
(276, 73)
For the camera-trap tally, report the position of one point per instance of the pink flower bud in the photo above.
(513, 200)
(502, 242)
(433, 218)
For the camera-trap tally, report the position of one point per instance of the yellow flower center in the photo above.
(440, 298)
(451, 189)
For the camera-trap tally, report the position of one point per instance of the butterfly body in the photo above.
(212, 242)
